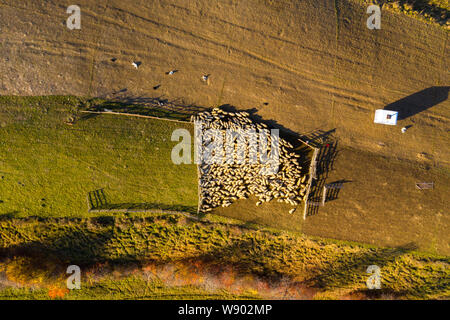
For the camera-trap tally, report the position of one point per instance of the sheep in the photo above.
(233, 181)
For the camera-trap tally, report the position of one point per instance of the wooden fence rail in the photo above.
(134, 115)
(312, 175)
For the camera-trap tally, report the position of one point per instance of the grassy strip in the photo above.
(129, 288)
(335, 268)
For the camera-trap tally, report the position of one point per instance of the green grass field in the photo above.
(47, 167)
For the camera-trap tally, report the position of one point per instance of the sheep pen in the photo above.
(225, 179)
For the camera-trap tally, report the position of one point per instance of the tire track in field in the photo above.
(243, 51)
(313, 78)
(333, 98)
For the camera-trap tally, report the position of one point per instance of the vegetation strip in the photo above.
(334, 268)
(431, 11)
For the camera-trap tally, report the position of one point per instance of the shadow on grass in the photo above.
(99, 203)
(350, 270)
(346, 271)
(425, 8)
(323, 140)
(9, 215)
(95, 240)
(318, 138)
(325, 163)
(146, 106)
(85, 244)
(418, 102)
(285, 133)
(142, 207)
(73, 247)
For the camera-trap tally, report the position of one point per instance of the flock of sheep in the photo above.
(224, 179)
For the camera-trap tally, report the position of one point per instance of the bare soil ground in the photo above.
(309, 65)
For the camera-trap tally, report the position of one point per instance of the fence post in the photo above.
(312, 175)
(324, 194)
(199, 191)
(305, 210)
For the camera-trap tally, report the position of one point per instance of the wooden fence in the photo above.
(134, 115)
(312, 175)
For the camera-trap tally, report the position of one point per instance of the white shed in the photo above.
(386, 117)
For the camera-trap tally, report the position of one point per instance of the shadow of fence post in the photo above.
(96, 199)
(324, 161)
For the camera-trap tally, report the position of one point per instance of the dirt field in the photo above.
(309, 65)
